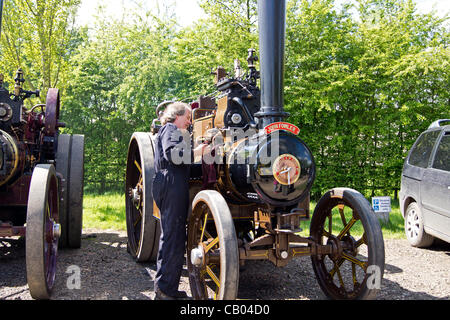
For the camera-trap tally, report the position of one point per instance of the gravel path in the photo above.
(107, 272)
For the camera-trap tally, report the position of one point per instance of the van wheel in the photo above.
(414, 229)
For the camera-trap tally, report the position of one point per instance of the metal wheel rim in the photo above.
(41, 240)
(330, 269)
(143, 228)
(75, 192)
(413, 225)
(135, 211)
(217, 277)
(51, 242)
(207, 276)
(52, 111)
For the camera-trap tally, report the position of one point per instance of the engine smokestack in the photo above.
(272, 25)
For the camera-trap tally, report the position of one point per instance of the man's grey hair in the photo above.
(173, 110)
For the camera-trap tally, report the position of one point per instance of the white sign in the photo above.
(381, 204)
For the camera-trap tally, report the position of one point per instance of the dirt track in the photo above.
(107, 272)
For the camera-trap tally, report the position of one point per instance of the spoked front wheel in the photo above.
(344, 220)
(212, 251)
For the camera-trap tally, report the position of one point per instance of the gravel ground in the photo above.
(107, 272)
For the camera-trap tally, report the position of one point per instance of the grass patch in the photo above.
(105, 211)
(394, 228)
(108, 212)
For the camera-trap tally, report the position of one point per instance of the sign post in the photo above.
(382, 207)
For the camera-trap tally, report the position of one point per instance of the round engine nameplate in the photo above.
(286, 169)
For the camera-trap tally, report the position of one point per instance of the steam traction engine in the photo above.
(41, 182)
(248, 202)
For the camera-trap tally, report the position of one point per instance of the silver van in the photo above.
(425, 186)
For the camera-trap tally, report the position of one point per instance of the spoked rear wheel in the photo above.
(344, 219)
(42, 231)
(143, 229)
(212, 251)
(70, 164)
(75, 192)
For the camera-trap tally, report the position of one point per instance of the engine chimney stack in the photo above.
(271, 23)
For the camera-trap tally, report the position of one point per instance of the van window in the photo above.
(442, 158)
(422, 150)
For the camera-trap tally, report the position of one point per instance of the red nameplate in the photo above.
(282, 126)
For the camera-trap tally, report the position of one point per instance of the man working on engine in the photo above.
(171, 195)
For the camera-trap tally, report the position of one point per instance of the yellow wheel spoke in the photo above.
(138, 166)
(340, 278)
(352, 259)
(138, 219)
(204, 227)
(341, 212)
(347, 228)
(213, 276)
(211, 244)
(337, 265)
(361, 241)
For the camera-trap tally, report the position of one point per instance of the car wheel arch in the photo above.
(407, 202)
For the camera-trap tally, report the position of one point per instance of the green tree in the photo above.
(362, 90)
(320, 61)
(225, 35)
(118, 77)
(37, 36)
(405, 63)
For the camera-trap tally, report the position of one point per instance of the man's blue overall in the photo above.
(171, 195)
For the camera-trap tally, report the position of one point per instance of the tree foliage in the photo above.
(38, 36)
(363, 90)
(362, 80)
